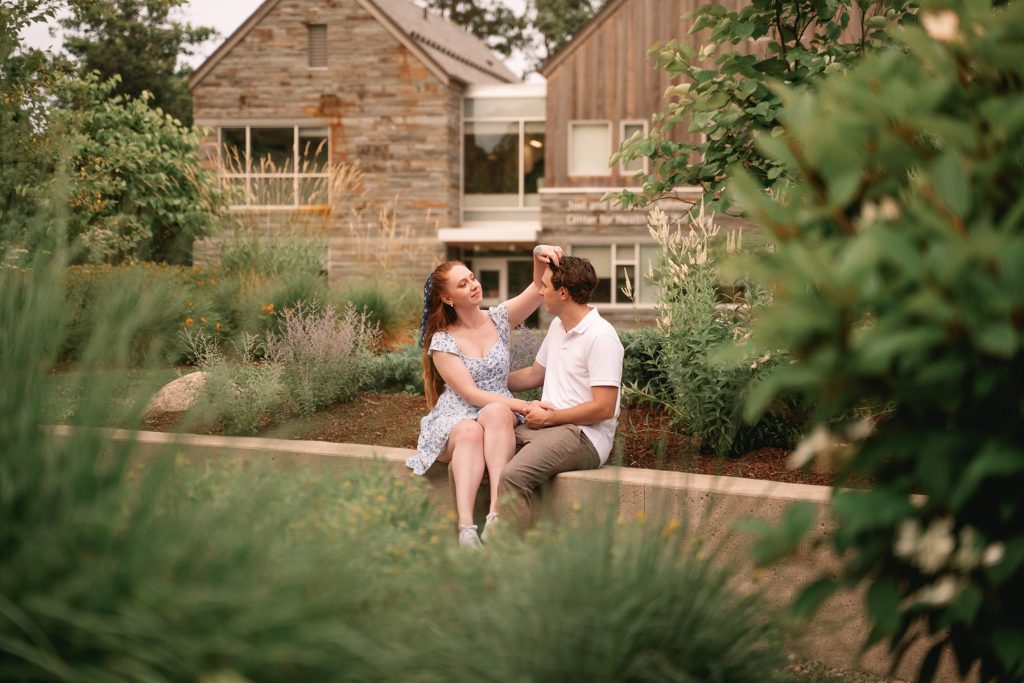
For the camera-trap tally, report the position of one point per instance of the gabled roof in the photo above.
(448, 51)
(609, 8)
(462, 55)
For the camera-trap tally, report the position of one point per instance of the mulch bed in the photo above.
(648, 440)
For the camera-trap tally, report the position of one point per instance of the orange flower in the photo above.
(190, 322)
(213, 281)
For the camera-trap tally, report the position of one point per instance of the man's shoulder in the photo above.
(601, 327)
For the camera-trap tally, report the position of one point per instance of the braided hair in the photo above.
(437, 316)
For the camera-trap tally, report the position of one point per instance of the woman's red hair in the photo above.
(436, 316)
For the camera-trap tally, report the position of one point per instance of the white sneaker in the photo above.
(468, 538)
(491, 527)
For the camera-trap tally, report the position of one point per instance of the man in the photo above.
(580, 366)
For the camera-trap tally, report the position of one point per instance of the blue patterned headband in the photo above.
(426, 302)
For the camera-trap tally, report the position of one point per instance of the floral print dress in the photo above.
(490, 373)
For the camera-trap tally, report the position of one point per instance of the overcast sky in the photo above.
(223, 15)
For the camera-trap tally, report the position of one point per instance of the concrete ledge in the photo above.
(710, 506)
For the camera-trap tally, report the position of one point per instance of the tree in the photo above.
(899, 271)
(499, 27)
(140, 41)
(25, 76)
(727, 93)
(138, 190)
(557, 21)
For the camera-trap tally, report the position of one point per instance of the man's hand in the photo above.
(540, 415)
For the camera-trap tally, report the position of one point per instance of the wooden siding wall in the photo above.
(386, 113)
(608, 77)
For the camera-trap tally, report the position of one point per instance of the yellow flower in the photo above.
(216, 326)
(202, 320)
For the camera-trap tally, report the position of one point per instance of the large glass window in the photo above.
(503, 158)
(492, 164)
(279, 166)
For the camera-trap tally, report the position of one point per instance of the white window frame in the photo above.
(521, 206)
(588, 122)
(619, 300)
(622, 139)
(248, 175)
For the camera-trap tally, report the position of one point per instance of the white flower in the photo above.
(936, 546)
(939, 593)
(888, 209)
(993, 554)
(861, 429)
(942, 26)
(968, 555)
(811, 445)
(907, 537)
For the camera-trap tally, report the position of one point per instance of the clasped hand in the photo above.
(538, 414)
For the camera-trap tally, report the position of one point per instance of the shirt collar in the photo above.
(584, 323)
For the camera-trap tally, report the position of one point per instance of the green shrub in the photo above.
(642, 372)
(134, 187)
(324, 356)
(705, 367)
(274, 254)
(91, 291)
(240, 395)
(393, 308)
(397, 370)
(899, 265)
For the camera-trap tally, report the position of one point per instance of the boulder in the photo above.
(176, 397)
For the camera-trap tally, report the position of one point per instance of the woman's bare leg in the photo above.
(465, 452)
(499, 443)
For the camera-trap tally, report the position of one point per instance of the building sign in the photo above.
(582, 212)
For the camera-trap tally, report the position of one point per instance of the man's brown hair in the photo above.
(576, 275)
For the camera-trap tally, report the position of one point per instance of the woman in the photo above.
(465, 377)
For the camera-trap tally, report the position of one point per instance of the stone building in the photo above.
(455, 157)
(376, 86)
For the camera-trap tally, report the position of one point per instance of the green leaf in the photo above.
(963, 609)
(812, 596)
(777, 542)
(995, 460)
(951, 182)
(883, 602)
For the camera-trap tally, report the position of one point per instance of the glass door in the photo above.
(493, 276)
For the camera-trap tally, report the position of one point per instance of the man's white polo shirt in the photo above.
(588, 355)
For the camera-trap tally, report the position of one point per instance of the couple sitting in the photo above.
(476, 424)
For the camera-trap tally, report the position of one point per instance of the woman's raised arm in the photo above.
(522, 305)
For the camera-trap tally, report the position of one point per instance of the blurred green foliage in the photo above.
(899, 271)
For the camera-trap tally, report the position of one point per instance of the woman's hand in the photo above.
(545, 253)
(520, 406)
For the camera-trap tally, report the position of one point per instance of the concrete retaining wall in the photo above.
(710, 505)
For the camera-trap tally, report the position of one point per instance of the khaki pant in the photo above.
(541, 454)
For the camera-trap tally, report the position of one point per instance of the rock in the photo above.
(176, 397)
